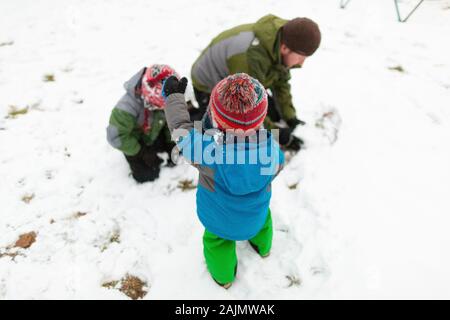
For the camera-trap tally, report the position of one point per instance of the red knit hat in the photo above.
(151, 88)
(238, 102)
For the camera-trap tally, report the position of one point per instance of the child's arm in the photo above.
(176, 113)
(176, 108)
(188, 139)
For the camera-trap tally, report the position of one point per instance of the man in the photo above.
(266, 50)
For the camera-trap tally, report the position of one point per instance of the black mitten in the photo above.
(173, 85)
(294, 122)
(284, 136)
(295, 144)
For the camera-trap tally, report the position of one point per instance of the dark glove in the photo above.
(172, 85)
(295, 144)
(294, 122)
(285, 136)
(288, 140)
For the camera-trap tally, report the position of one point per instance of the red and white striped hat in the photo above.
(151, 88)
(238, 102)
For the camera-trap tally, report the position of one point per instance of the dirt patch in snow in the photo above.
(26, 240)
(186, 185)
(27, 198)
(131, 286)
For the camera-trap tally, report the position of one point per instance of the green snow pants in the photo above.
(220, 254)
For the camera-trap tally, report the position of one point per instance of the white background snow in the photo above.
(369, 218)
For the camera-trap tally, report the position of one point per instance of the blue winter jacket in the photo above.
(235, 174)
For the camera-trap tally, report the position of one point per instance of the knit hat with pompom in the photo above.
(151, 87)
(238, 102)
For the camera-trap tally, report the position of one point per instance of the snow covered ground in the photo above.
(363, 212)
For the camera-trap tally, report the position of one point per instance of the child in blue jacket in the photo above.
(237, 160)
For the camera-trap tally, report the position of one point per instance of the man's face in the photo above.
(291, 58)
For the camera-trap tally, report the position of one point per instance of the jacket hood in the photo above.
(131, 85)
